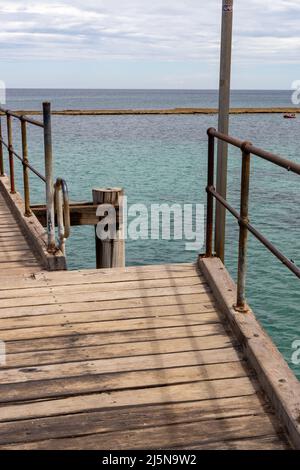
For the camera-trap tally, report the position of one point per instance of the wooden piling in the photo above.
(110, 253)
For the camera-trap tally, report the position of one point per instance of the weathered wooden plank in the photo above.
(105, 275)
(135, 418)
(122, 350)
(187, 321)
(11, 235)
(13, 228)
(226, 388)
(157, 361)
(92, 383)
(14, 245)
(32, 228)
(104, 295)
(272, 442)
(91, 278)
(13, 261)
(12, 250)
(16, 256)
(118, 304)
(164, 437)
(80, 214)
(95, 287)
(3, 211)
(12, 272)
(207, 311)
(111, 338)
(7, 223)
(170, 267)
(31, 263)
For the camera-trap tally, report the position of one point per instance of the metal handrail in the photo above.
(47, 179)
(24, 163)
(62, 209)
(248, 147)
(21, 117)
(243, 217)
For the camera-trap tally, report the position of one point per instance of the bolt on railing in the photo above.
(247, 150)
(47, 179)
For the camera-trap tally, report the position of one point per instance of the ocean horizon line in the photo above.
(152, 89)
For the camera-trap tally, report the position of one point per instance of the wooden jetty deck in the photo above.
(153, 357)
(139, 357)
(150, 357)
(16, 255)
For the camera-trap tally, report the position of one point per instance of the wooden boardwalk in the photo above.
(126, 359)
(154, 357)
(16, 256)
(144, 357)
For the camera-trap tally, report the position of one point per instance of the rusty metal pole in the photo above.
(223, 124)
(49, 177)
(1, 151)
(210, 198)
(243, 239)
(28, 212)
(11, 155)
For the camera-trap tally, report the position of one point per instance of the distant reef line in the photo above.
(121, 112)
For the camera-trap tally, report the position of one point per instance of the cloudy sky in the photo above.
(146, 43)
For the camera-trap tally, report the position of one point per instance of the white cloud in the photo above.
(264, 30)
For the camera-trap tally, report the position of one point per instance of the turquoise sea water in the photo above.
(164, 159)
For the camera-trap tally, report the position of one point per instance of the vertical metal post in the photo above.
(25, 169)
(244, 210)
(210, 198)
(11, 155)
(1, 151)
(49, 177)
(223, 125)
